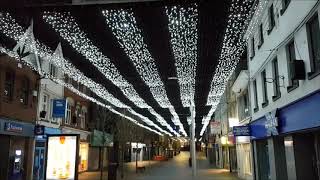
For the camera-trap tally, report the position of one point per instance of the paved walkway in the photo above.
(174, 169)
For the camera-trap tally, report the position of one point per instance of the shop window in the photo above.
(261, 38)
(24, 94)
(272, 21)
(9, 86)
(255, 94)
(264, 88)
(314, 46)
(293, 84)
(276, 84)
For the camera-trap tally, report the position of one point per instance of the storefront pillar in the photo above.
(255, 159)
(289, 150)
(30, 144)
(277, 160)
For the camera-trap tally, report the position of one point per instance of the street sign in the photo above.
(59, 108)
(241, 131)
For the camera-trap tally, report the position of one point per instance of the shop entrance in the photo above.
(263, 160)
(39, 159)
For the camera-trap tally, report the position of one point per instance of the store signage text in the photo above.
(13, 127)
(241, 131)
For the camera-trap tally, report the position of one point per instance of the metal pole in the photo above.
(193, 144)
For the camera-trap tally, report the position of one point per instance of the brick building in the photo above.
(18, 111)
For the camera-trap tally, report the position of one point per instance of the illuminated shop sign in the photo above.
(13, 127)
(241, 130)
(59, 108)
(62, 157)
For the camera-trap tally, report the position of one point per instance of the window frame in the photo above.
(68, 113)
(285, 5)
(314, 72)
(24, 94)
(11, 83)
(255, 96)
(276, 82)
(261, 36)
(271, 18)
(252, 48)
(293, 84)
(264, 88)
(52, 70)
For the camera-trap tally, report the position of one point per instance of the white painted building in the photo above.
(284, 40)
(49, 91)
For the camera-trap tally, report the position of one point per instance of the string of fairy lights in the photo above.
(67, 27)
(182, 25)
(13, 30)
(232, 48)
(124, 27)
(184, 39)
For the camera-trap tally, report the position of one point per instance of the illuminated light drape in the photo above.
(184, 39)
(232, 48)
(67, 27)
(10, 28)
(124, 26)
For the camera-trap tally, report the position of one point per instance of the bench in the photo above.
(141, 169)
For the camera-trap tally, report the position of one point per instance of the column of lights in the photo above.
(232, 48)
(256, 18)
(184, 39)
(13, 30)
(67, 27)
(15, 56)
(124, 27)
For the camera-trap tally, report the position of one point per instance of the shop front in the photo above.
(286, 141)
(100, 144)
(41, 133)
(16, 139)
(83, 146)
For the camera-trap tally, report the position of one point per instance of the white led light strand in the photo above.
(67, 27)
(124, 26)
(16, 32)
(232, 48)
(184, 39)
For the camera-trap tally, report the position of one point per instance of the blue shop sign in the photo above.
(241, 131)
(39, 130)
(13, 127)
(300, 115)
(59, 108)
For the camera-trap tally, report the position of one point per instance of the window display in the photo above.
(61, 157)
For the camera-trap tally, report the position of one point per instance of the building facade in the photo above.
(284, 67)
(18, 113)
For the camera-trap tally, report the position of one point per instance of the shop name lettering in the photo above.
(13, 127)
(241, 130)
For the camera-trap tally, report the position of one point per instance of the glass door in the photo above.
(38, 169)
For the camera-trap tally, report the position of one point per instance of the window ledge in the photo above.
(275, 98)
(291, 88)
(256, 109)
(265, 104)
(314, 74)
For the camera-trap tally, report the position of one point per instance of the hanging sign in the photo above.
(241, 131)
(59, 108)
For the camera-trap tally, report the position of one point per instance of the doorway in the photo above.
(39, 160)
